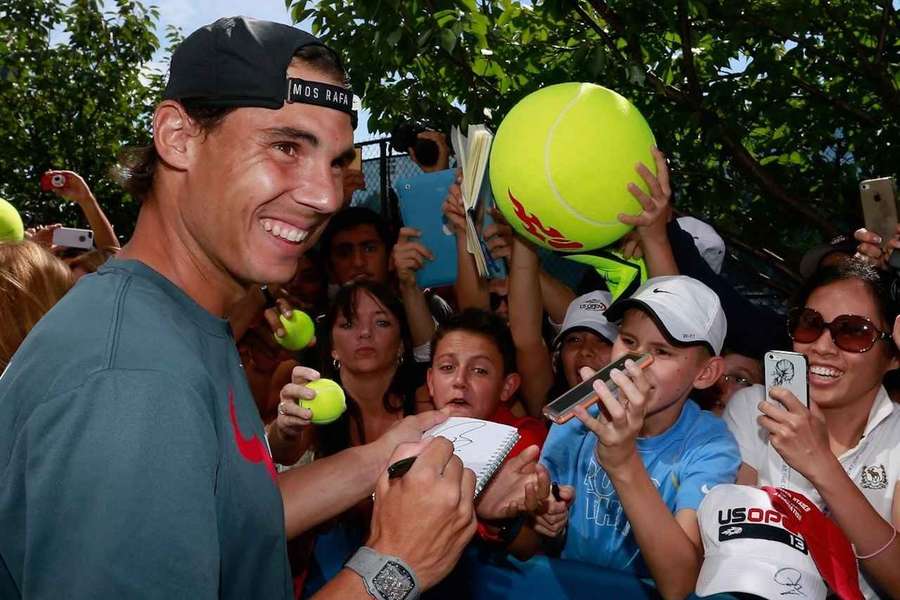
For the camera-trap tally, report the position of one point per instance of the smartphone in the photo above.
(583, 394)
(788, 370)
(879, 203)
(357, 160)
(52, 180)
(73, 238)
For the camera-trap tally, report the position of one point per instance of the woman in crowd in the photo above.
(843, 452)
(31, 281)
(366, 349)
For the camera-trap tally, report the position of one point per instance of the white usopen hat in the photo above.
(686, 311)
(709, 243)
(587, 311)
(747, 548)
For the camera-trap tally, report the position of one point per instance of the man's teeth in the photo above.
(825, 371)
(285, 231)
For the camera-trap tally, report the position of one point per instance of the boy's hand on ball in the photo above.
(657, 209)
(499, 238)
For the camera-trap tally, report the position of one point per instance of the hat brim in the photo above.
(754, 575)
(582, 327)
(616, 312)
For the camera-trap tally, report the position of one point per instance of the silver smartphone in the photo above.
(562, 409)
(879, 204)
(73, 238)
(788, 370)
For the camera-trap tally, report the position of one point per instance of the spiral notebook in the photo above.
(481, 445)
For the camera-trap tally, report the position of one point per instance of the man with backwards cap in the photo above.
(133, 461)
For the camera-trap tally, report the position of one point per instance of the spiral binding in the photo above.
(494, 462)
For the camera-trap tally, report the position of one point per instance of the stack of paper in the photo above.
(472, 153)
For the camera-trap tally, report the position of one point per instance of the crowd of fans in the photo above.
(618, 489)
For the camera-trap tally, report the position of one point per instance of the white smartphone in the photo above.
(788, 370)
(562, 409)
(73, 238)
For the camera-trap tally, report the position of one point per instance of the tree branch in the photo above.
(687, 52)
(860, 115)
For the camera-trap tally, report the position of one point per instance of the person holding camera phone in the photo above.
(138, 466)
(843, 452)
(641, 463)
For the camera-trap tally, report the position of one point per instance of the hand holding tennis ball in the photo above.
(299, 330)
(329, 403)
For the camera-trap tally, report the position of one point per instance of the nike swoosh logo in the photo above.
(659, 291)
(252, 449)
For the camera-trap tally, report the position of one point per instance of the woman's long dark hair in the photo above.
(335, 436)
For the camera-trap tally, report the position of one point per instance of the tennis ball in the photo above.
(561, 163)
(11, 228)
(299, 330)
(329, 403)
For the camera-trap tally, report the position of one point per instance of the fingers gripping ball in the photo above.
(11, 229)
(299, 330)
(561, 163)
(329, 403)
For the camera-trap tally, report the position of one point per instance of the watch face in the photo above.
(393, 581)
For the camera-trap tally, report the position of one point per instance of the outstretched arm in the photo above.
(77, 190)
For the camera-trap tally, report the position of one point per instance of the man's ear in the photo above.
(173, 133)
(510, 385)
(712, 370)
(428, 381)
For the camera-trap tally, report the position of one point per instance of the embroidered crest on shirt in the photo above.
(873, 477)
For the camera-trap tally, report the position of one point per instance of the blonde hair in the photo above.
(31, 281)
(89, 262)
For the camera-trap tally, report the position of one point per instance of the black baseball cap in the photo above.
(240, 61)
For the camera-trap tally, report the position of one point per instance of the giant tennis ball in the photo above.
(299, 330)
(11, 229)
(329, 403)
(561, 163)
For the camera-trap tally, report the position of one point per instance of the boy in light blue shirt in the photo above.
(641, 463)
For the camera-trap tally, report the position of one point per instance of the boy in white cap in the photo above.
(641, 464)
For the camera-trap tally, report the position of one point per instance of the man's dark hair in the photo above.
(136, 166)
(349, 218)
(483, 323)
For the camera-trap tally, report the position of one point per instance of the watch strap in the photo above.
(368, 564)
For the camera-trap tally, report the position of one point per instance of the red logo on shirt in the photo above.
(537, 229)
(252, 449)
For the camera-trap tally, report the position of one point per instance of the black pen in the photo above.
(554, 488)
(399, 468)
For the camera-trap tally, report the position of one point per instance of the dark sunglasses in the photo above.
(851, 333)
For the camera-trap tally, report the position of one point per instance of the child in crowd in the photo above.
(640, 464)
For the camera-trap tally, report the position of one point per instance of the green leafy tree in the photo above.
(771, 110)
(75, 85)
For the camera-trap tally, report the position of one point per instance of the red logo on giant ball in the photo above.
(552, 236)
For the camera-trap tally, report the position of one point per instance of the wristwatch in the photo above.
(386, 577)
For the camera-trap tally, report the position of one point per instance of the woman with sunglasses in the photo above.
(843, 452)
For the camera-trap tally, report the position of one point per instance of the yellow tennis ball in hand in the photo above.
(561, 163)
(329, 403)
(299, 330)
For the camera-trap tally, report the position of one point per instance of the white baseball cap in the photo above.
(686, 311)
(587, 311)
(748, 549)
(709, 243)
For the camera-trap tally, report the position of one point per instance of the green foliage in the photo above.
(771, 110)
(72, 103)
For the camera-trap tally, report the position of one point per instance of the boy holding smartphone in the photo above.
(641, 463)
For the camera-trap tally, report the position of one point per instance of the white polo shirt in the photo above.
(873, 465)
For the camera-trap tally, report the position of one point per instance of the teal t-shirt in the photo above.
(133, 461)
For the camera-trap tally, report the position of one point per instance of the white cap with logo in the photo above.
(748, 549)
(686, 311)
(587, 311)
